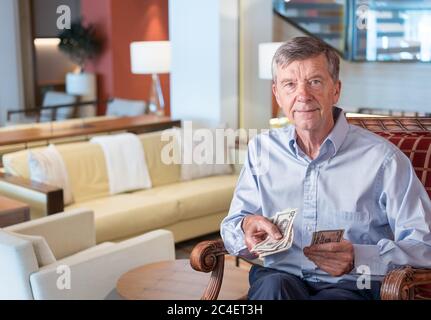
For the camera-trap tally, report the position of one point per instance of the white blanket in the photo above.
(125, 162)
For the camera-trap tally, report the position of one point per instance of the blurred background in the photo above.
(213, 64)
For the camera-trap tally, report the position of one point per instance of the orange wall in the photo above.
(121, 22)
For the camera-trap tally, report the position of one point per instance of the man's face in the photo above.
(306, 93)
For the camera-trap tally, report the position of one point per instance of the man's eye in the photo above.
(289, 84)
(315, 82)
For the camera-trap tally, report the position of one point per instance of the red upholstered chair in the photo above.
(413, 137)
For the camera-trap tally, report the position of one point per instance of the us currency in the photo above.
(326, 236)
(284, 221)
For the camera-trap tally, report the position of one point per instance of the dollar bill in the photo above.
(283, 247)
(284, 221)
(326, 236)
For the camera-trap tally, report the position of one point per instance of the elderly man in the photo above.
(339, 176)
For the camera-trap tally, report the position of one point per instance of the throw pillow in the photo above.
(47, 166)
(41, 249)
(204, 152)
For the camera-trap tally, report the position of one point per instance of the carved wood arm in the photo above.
(404, 284)
(399, 284)
(54, 195)
(208, 256)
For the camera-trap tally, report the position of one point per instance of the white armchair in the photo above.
(94, 269)
(54, 98)
(125, 108)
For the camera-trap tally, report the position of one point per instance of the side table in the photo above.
(12, 212)
(176, 280)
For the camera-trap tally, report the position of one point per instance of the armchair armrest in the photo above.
(404, 284)
(399, 284)
(43, 199)
(208, 256)
(66, 233)
(93, 275)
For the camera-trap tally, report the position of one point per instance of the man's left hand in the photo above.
(335, 258)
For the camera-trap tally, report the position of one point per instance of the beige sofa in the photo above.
(187, 208)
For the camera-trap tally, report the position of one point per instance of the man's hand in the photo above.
(258, 228)
(335, 258)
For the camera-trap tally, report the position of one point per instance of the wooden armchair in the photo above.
(413, 137)
(406, 283)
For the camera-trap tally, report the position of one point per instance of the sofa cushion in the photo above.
(198, 197)
(47, 166)
(85, 163)
(43, 253)
(200, 152)
(124, 215)
(16, 163)
(160, 173)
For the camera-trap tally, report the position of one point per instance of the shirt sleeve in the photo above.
(246, 200)
(408, 209)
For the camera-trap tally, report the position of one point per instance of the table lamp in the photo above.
(83, 85)
(152, 57)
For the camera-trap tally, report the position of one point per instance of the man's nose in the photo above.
(303, 94)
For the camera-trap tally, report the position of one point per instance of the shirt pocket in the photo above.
(355, 224)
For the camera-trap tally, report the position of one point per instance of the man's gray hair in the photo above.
(301, 48)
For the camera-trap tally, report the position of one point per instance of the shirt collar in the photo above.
(336, 136)
(339, 133)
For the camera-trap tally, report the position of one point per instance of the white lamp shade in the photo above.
(83, 84)
(266, 54)
(148, 57)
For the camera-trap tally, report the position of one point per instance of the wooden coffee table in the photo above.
(176, 280)
(13, 212)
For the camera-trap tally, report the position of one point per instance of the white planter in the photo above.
(85, 86)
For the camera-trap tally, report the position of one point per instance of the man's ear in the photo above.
(337, 91)
(274, 91)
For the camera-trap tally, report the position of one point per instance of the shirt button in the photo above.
(365, 239)
(309, 228)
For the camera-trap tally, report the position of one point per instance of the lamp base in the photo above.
(152, 107)
(160, 113)
(156, 104)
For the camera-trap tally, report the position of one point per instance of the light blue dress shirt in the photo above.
(359, 182)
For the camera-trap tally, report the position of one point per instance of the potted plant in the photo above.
(81, 44)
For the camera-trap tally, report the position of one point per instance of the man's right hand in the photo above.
(258, 228)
